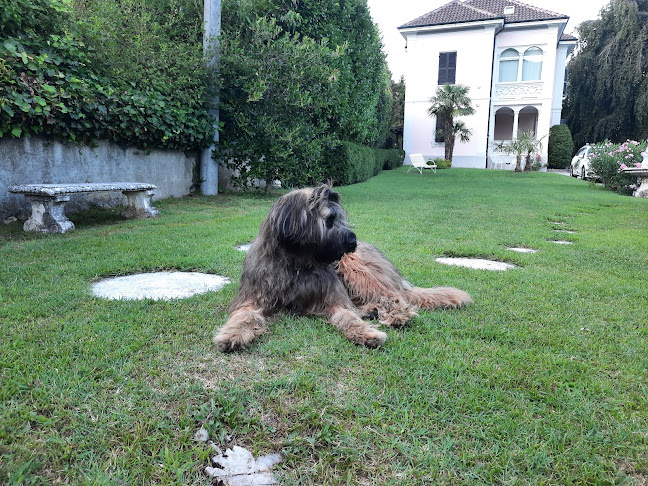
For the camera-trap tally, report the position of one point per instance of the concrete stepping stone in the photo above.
(244, 248)
(477, 263)
(522, 250)
(564, 231)
(562, 242)
(158, 286)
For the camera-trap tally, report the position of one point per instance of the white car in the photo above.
(580, 164)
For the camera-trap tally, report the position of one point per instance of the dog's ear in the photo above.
(291, 221)
(323, 194)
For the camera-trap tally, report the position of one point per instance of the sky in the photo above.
(389, 14)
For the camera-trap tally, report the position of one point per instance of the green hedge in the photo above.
(349, 163)
(392, 158)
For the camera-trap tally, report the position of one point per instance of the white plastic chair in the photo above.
(419, 163)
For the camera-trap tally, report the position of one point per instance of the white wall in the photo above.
(474, 48)
(475, 44)
(540, 95)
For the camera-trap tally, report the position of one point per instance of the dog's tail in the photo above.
(438, 297)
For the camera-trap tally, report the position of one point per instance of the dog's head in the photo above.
(311, 223)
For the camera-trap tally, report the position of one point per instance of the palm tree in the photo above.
(449, 102)
(524, 144)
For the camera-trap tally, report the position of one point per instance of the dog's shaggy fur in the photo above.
(306, 260)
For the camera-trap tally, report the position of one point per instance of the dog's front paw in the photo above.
(228, 342)
(373, 338)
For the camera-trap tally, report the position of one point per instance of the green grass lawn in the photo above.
(543, 380)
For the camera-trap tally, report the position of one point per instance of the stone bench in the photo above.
(48, 200)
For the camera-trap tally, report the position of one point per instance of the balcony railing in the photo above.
(526, 89)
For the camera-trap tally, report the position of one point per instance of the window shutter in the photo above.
(447, 67)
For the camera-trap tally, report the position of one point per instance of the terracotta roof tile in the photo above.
(450, 13)
(568, 37)
(475, 10)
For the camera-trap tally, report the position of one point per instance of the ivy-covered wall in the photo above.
(62, 75)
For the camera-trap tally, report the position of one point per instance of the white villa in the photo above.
(512, 56)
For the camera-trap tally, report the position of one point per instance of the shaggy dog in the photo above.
(307, 261)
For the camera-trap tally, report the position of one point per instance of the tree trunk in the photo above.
(527, 165)
(518, 163)
(268, 182)
(448, 137)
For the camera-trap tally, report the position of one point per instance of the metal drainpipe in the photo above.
(208, 166)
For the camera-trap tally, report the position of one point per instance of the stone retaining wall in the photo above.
(34, 160)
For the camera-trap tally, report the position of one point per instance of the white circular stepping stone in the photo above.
(561, 242)
(158, 286)
(244, 248)
(564, 231)
(523, 250)
(477, 263)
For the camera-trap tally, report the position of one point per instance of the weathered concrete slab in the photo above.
(158, 286)
(476, 263)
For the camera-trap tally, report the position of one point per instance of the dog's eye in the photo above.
(330, 220)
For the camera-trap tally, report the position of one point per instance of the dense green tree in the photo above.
(339, 92)
(607, 95)
(450, 102)
(274, 101)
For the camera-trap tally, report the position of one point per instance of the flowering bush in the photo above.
(607, 161)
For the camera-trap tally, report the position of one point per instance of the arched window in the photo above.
(508, 66)
(532, 64)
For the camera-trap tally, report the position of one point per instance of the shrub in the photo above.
(350, 162)
(391, 158)
(607, 161)
(560, 147)
(442, 163)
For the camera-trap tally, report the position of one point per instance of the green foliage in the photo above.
(560, 147)
(350, 162)
(31, 17)
(392, 158)
(274, 100)
(607, 161)
(296, 78)
(442, 163)
(526, 145)
(149, 44)
(395, 135)
(607, 95)
(49, 85)
(450, 102)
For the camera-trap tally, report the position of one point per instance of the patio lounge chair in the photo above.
(419, 163)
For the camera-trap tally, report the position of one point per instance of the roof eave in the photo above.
(495, 21)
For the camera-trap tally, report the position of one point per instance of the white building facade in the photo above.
(511, 55)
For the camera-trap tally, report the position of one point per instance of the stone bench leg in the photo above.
(642, 191)
(47, 214)
(139, 205)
